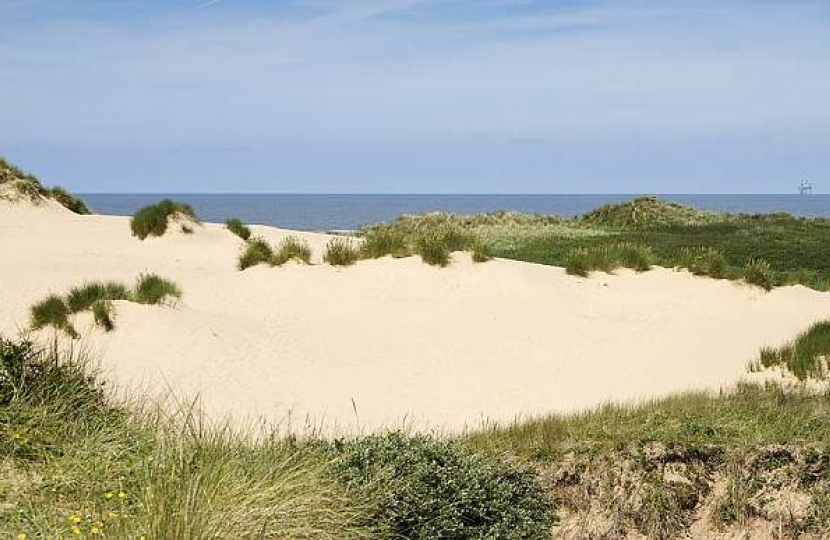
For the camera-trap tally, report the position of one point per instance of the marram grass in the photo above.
(341, 252)
(238, 228)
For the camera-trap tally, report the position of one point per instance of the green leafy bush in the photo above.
(152, 289)
(152, 220)
(421, 487)
(238, 228)
(255, 251)
(341, 252)
(758, 272)
(290, 249)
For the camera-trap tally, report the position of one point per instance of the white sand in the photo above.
(397, 340)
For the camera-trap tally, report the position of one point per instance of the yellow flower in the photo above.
(112, 514)
(76, 519)
(122, 495)
(109, 495)
(21, 536)
(76, 530)
(94, 530)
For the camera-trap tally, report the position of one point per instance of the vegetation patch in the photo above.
(758, 272)
(381, 241)
(292, 249)
(341, 252)
(97, 297)
(703, 261)
(806, 356)
(238, 228)
(607, 258)
(255, 251)
(647, 212)
(28, 186)
(423, 487)
(152, 220)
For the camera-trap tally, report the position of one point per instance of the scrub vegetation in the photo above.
(153, 220)
(22, 185)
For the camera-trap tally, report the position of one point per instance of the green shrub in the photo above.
(255, 251)
(292, 248)
(102, 314)
(758, 272)
(152, 289)
(341, 252)
(152, 220)
(238, 228)
(69, 201)
(52, 311)
(380, 242)
(703, 261)
(82, 298)
(421, 487)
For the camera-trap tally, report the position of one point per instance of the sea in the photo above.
(337, 212)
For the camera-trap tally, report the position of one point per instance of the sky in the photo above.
(417, 96)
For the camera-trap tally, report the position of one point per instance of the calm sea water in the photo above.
(337, 212)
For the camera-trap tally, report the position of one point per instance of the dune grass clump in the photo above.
(153, 289)
(644, 212)
(102, 313)
(82, 298)
(292, 249)
(383, 241)
(255, 251)
(806, 356)
(758, 272)
(481, 253)
(238, 228)
(152, 220)
(341, 252)
(703, 261)
(423, 487)
(607, 258)
(52, 311)
(433, 250)
(69, 201)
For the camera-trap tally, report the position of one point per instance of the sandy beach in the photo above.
(390, 342)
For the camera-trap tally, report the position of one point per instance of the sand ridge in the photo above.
(392, 341)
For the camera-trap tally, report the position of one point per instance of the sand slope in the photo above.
(391, 341)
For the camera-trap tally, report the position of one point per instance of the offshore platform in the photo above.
(805, 188)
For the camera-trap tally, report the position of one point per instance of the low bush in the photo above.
(703, 261)
(758, 272)
(255, 251)
(152, 289)
(52, 311)
(341, 252)
(290, 249)
(421, 487)
(238, 228)
(152, 220)
(69, 201)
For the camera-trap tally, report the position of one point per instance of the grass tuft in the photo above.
(255, 251)
(152, 289)
(69, 201)
(82, 298)
(238, 228)
(52, 311)
(758, 272)
(102, 313)
(292, 249)
(481, 253)
(806, 356)
(703, 261)
(341, 252)
(382, 241)
(152, 220)
(607, 258)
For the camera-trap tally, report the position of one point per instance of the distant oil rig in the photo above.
(805, 188)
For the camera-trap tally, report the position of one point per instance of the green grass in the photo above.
(69, 201)
(433, 249)
(76, 460)
(381, 242)
(806, 356)
(702, 261)
(30, 187)
(341, 252)
(153, 289)
(152, 220)
(481, 253)
(82, 298)
(758, 272)
(238, 228)
(292, 249)
(52, 311)
(609, 257)
(103, 314)
(255, 251)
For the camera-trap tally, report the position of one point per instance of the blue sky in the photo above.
(478, 96)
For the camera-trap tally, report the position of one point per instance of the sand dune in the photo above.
(390, 341)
